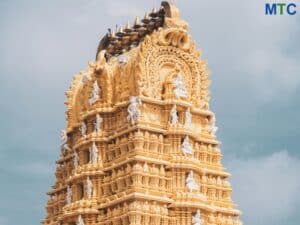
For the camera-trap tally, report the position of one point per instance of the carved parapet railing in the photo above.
(81, 206)
(87, 170)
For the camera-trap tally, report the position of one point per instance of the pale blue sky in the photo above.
(255, 64)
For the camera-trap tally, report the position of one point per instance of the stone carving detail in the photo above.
(83, 129)
(191, 183)
(75, 160)
(186, 147)
(133, 110)
(124, 149)
(213, 127)
(93, 153)
(122, 59)
(69, 195)
(89, 187)
(95, 95)
(64, 140)
(188, 119)
(174, 115)
(98, 123)
(196, 219)
(179, 87)
(80, 220)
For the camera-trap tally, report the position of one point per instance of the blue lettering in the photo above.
(289, 11)
(270, 9)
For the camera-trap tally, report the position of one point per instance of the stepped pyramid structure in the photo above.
(140, 145)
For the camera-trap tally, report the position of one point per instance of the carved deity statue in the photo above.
(196, 219)
(69, 195)
(95, 95)
(188, 118)
(80, 220)
(98, 123)
(83, 129)
(174, 115)
(75, 160)
(179, 87)
(93, 153)
(133, 110)
(89, 187)
(191, 183)
(64, 140)
(186, 147)
(213, 128)
(63, 136)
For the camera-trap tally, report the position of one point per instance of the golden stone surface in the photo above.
(145, 151)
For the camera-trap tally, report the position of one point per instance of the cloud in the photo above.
(266, 188)
(246, 49)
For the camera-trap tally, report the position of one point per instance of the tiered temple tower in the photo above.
(140, 145)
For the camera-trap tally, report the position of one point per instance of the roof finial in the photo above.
(127, 27)
(136, 22)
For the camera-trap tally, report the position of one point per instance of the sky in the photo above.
(255, 71)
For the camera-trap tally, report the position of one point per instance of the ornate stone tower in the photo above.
(140, 145)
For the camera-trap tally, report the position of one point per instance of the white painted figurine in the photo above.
(95, 93)
(80, 220)
(179, 86)
(93, 153)
(188, 118)
(213, 128)
(196, 220)
(89, 187)
(174, 115)
(191, 183)
(64, 140)
(69, 194)
(83, 128)
(75, 160)
(186, 147)
(133, 110)
(98, 123)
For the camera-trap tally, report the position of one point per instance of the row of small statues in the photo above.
(163, 211)
(154, 169)
(142, 206)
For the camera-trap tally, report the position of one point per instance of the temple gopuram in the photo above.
(140, 145)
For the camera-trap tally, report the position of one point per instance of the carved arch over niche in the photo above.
(160, 64)
(80, 92)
